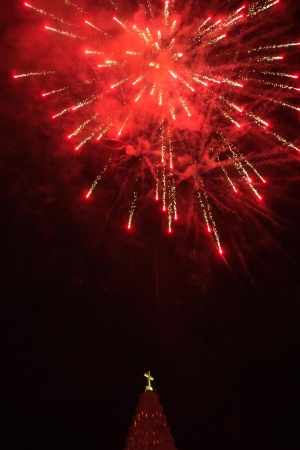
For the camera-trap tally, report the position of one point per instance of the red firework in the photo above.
(175, 97)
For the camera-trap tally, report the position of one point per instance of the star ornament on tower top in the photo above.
(149, 379)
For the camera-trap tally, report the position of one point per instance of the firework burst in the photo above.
(182, 99)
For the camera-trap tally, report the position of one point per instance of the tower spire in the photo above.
(149, 429)
(149, 379)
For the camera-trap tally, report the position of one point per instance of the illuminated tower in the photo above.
(149, 430)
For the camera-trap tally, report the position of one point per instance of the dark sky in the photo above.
(87, 309)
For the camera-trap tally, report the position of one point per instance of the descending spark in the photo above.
(82, 126)
(119, 83)
(47, 14)
(208, 29)
(255, 171)
(227, 176)
(268, 58)
(84, 141)
(94, 26)
(204, 23)
(258, 7)
(70, 108)
(230, 22)
(133, 53)
(233, 105)
(284, 141)
(156, 183)
(160, 96)
(184, 105)
(217, 39)
(269, 83)
(104, 131)
(166, 13)
(140, 94)
(119, 22)
(97, 179)
(139, 79)
(74, 6)
(257, 119)
(204, 210)
(268, 47)
(85, 102)
(55, 91)
(172, 27)
(66, 33)
(172, 110)
(217, 238)
(233, 83)
(163, 145)
(164, 187)
(228, 117)
(150, 8)
(132, 209)
(279, 74)
(30, 74)
(153, 88)
(93, 52)
(121, 129)
(170, 149)
(282, 103)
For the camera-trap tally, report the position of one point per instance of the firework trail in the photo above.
(194, 99)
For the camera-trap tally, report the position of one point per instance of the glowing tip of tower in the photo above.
(220, 251)
(264, 181)
(170, 230)
(87, 195)
(128, 226)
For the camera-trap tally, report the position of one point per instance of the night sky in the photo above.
(87, 308)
